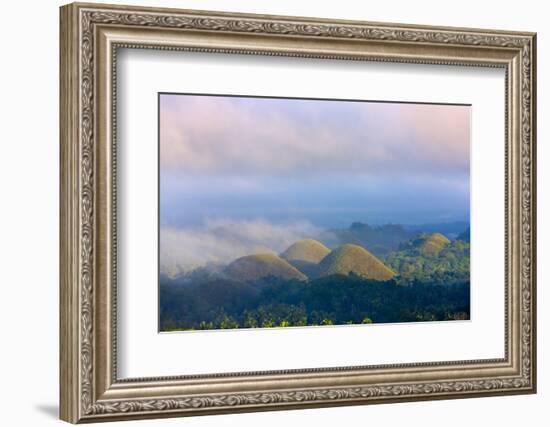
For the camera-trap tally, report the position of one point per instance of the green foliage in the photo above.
(451, 263)
(330, 300)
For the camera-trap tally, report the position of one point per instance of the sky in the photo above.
(308, 164)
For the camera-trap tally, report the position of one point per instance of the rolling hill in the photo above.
(431, 257)
(306, 255)
(431, 244)
(254, 267)
(306, 250)
(351, 258)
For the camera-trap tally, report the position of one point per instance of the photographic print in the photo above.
(290, 212)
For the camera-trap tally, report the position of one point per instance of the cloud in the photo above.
(203, 135)
(222, 241)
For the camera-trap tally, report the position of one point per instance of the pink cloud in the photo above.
(224, 135)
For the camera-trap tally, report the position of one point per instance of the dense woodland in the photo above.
(336, 299)
(429, 281)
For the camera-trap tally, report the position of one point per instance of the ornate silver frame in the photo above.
(90, 36)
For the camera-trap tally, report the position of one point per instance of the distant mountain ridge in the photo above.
(383, 239)
(449, 229)
(378, 239)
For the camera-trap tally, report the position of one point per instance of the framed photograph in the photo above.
(266, 212)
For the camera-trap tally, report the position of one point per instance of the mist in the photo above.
(222, 241)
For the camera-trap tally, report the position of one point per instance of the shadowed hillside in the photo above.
(354, 259)
(306, 255)
(254, 267)
(306, 250)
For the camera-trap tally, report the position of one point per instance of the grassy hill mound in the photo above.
(305, 255)
(355, 259)
(306, 250)
(254, 267)
(432, 244)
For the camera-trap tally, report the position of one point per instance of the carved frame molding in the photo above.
(90, 390)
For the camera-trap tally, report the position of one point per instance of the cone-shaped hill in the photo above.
(305, 255)
(306, 250)
(254, 267)
(355, 259)
(432, 244)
